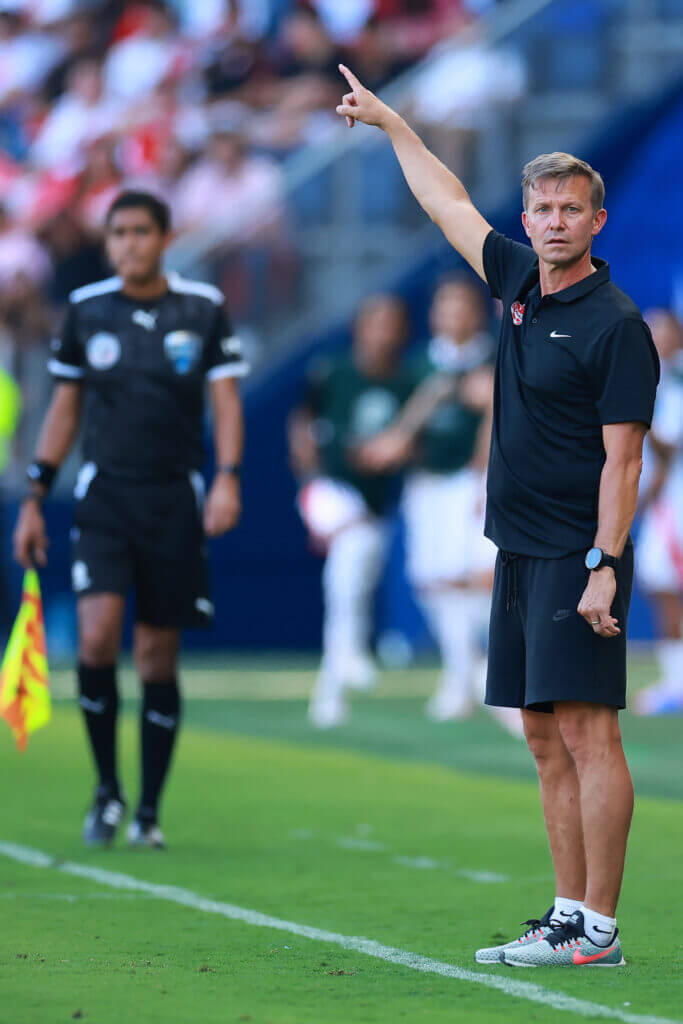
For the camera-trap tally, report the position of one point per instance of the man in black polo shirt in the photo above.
(576, 377)
(130, 365)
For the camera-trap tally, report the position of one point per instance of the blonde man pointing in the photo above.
(576, 377)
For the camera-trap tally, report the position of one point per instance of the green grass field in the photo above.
(421, 837)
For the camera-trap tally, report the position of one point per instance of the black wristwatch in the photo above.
(596, 558)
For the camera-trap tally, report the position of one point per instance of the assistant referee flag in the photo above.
(24, 693)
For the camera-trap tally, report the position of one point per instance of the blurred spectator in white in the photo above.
(343, 21)
(150, 51)
(660, 542)
(460, 85)
(230, 189)
(81, 115)
(21, 254)
(201, 20)
(26, 55)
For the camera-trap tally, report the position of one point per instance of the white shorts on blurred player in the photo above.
(355, 542)
(450, 564)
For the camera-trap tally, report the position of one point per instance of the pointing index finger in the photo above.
(350, 77)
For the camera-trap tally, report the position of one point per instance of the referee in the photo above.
(130, 367)
(576, 376)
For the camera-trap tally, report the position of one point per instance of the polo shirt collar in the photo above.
(582, 287)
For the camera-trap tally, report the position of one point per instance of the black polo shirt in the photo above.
(143, 367)
(568, 363)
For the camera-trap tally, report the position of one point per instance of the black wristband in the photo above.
(42, 473)
(229, 470)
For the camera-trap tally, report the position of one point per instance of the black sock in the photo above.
(99, 702)
(159, 726)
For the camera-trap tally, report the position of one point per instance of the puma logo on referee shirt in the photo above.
(146, 318)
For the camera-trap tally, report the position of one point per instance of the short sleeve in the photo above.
(506, 264)
(624, 372)
(224, 356)
(66, 360)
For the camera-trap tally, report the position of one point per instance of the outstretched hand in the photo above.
(360, 104)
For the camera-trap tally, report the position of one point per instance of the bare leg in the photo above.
(561, 802)
(591, 735)
(100, 621)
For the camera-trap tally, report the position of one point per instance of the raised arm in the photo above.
(441, 195)
(57, 436)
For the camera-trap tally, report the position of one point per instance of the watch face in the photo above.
(593, 558)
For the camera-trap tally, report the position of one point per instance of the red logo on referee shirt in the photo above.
(517, 310)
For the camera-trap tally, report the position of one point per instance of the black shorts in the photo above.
(540, 648)
(147, 536)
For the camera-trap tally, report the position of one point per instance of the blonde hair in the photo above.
(561, 165)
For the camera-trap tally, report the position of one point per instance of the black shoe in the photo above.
(104, 817)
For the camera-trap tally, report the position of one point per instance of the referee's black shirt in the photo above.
(143, 366)
(568, 363)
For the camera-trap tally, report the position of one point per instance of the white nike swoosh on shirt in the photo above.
(554, 334)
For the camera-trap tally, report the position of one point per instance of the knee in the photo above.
(543, 742)
(588, 733)
(98, 644)
(155, 657)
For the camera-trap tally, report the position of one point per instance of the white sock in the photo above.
(598, 928)
(564, 908)
(446, 612)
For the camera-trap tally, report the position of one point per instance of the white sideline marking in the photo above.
(358, 944)
(364, 845)
(358, 843)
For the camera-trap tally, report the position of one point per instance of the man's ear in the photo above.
(525, 222)
(599, 221)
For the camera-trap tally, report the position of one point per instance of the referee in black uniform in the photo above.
(130, 367)
(576, 377)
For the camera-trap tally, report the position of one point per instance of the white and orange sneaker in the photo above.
(567, 946)
(536, 930)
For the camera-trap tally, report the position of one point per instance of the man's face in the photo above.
(560, 220)
(135, 244)
(456, 312)
(380, 331)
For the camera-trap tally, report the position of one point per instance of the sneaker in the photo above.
(145, 833)
(659, 699)
(449, 704)
(536, 930)
(567, 946)
(103, 819)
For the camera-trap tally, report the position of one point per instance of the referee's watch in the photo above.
(230, 470)
(596, 558)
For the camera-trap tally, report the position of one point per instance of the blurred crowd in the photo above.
(199, 102)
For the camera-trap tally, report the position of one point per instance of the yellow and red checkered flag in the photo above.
(24, 693)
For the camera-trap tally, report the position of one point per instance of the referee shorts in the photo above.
(540, 649)
(145, 536)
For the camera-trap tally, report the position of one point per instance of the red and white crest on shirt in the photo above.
(517, 310)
